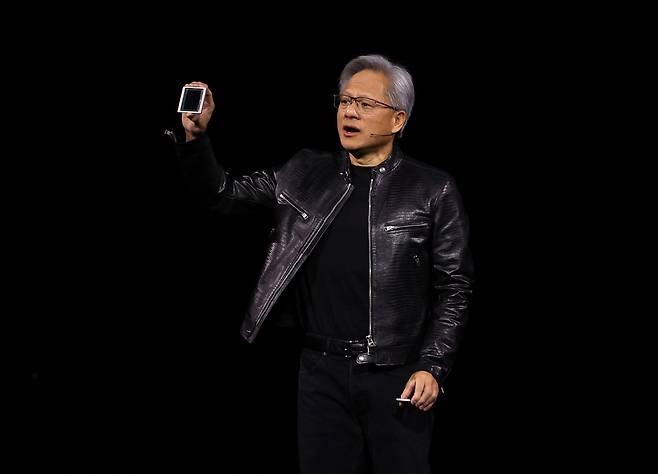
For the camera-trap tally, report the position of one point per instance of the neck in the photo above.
(370, 158)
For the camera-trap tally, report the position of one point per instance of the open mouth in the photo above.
(348, 130)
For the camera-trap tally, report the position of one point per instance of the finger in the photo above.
(209, 102)
(196, 84)
(436, 393)
(424, 399)
(428, 399)
(428, 406)
(418, 392)
(408, 389)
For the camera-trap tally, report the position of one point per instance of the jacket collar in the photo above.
(385, 167)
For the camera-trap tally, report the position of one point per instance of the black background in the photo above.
(128, 352)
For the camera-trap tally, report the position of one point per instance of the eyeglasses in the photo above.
(365, 105)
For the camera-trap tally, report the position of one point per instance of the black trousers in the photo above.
(350, 423)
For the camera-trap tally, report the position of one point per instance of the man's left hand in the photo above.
(424, 388)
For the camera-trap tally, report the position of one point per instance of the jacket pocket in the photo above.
(406, 227)
(288, 200)
(310, 359)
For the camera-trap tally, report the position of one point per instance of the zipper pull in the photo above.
(371, 342)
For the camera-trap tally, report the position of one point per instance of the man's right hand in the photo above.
(196, 124)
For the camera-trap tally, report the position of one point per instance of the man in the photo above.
(372, 246)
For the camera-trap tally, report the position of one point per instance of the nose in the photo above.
(351, 110)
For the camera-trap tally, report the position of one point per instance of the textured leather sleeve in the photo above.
(216, 188)
(452, 280)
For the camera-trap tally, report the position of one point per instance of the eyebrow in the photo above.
(366, 97)
(361, 96)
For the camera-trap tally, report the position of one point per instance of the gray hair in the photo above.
(401, 87)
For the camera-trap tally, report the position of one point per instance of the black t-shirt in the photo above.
(332, 287)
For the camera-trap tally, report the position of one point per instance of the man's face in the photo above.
(356, 124)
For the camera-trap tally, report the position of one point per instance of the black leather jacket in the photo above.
(420, 267)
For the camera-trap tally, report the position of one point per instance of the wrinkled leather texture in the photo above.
(421, 269)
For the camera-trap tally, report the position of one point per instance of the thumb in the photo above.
(408, 389)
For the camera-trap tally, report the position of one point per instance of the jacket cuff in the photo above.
(197, 146)
(438, 372)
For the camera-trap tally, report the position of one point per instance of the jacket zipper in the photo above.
(369, 337)
(394, 228)
(283, 281)
(298, 208)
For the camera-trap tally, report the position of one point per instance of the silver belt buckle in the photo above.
(363, 358)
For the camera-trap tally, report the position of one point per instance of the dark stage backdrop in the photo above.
(132, 359)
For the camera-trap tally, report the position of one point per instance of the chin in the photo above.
(350, 145)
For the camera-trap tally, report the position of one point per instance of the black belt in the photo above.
(357, 348)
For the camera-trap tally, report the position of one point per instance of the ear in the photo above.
(399, 118)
